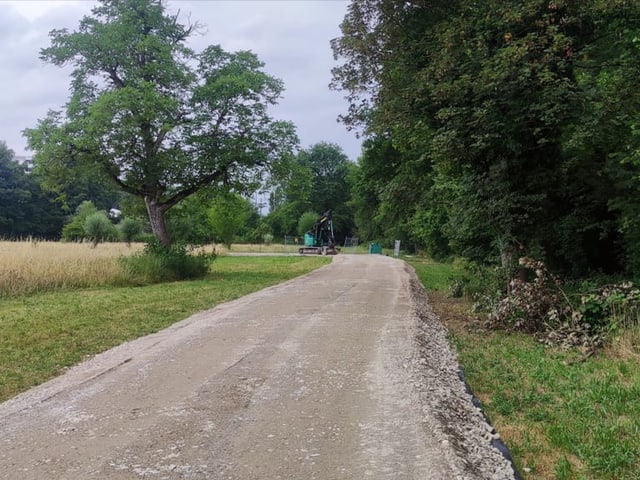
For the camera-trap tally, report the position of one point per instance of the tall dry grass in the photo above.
(626, 343)
(35, 266)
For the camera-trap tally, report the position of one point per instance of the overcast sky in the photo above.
(290, 36)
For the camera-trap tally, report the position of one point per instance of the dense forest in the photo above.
(497, 129)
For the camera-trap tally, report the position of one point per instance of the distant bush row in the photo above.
(89, 223)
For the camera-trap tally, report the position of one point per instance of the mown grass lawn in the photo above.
(562, 416)
(42, 334)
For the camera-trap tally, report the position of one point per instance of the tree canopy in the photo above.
(510, 127)
(314, 180)
(26, 209)
(152, 116)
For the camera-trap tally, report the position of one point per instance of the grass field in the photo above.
(43, 333)
(29, 267)
(32, 267)
(562, 416)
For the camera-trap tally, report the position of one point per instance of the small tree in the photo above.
(228, 215)
(129, 229)
(75, 229)
(99, 228)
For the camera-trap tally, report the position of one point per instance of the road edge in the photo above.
(432, 328)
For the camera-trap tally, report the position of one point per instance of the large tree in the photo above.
(156, 118)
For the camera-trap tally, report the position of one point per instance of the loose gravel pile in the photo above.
(454, 413)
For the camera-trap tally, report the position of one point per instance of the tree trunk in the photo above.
(156, 218)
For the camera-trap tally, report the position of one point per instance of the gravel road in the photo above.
(344, 373)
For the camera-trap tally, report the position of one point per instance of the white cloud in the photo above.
(290, 37)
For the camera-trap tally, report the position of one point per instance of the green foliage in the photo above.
(314, 180)
(189, 222)
(228, 215)
(159, 263)
(497, 128)
(98, 228)
(161, 125)
(129, 229)
(261, 233)
(75, 230)
(26, 209)
(613, 307)
(306, 222)
(379, 207)
(267, 238)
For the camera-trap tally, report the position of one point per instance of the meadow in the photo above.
(63, 302)
(34, 266)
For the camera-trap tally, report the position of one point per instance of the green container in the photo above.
(309, 240)
(375, 248)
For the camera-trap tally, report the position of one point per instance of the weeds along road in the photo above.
(341, 374)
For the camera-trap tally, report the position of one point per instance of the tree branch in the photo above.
(206, 180)
(113, 75)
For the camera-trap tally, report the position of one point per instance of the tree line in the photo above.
(315, 179)
(497, 129)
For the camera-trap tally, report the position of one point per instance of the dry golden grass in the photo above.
(36, 266)
(28, 267)
(626, 346)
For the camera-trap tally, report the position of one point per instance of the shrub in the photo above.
(129, 229)
(99, 228)
(306, 222)
(611, 306)
(541, 304)
(166, 264)
(482, 285)
(75, 229)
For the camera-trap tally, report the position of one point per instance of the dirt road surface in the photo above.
(341, 374)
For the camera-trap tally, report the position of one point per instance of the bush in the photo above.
(267, 238)
(306, 222)
(484, 286)
(99, 228)
(75, 230)
(532, 306)
(129, 229)
(611, 306)
(166, 264)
